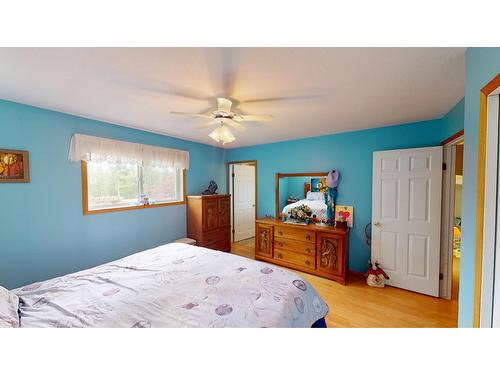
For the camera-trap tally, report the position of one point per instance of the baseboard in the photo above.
(355, 273)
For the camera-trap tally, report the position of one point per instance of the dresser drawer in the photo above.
(307, 248)
(295, 233)
(295, 258)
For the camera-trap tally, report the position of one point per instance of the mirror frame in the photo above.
(281, 175)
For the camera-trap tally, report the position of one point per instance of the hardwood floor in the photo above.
(358, 305)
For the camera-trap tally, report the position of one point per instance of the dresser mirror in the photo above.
(294, 189)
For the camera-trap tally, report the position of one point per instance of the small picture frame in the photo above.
(344, 215)
(318, 184)
(14, 166)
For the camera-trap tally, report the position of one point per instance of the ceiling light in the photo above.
(222, 134)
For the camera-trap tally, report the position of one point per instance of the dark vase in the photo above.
(341, 224)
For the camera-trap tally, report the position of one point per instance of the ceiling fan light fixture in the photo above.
(222, 134)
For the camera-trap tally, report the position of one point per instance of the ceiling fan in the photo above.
(224, 117)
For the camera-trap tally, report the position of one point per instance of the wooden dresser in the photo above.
(321, 251)
(208, 221)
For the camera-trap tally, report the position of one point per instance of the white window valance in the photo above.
(90, 148)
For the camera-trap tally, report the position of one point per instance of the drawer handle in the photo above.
(280, 256)
(308, 237)
(308, 250)
(280, 244)
(307, 263)
(280, 233)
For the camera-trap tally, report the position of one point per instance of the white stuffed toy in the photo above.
(375, 275)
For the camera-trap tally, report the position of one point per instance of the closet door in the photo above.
(406, 216)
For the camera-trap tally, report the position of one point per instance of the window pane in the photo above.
(112, 185)
(161, 184)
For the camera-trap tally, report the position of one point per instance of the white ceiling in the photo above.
(329, 90)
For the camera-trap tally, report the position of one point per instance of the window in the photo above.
(111, 186)
(119, 175)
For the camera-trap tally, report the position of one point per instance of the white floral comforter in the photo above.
(174, 285)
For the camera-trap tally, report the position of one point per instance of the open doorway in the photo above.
(243, 189)
(453, 156)
(457, 220)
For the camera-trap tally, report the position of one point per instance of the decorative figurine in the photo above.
(211, 190)
(375, 275)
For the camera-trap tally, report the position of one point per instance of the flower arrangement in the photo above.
(302, 212)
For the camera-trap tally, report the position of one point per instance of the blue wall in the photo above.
(350, 153)
(482, 65)
(43, 232)
(291, 187)
(296, 186)
(453, 121)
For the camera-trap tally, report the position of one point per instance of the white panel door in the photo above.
(406, 216)
(244, 201)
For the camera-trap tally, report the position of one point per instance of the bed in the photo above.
(174, 285)
(316, 201)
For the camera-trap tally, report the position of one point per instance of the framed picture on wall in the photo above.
(14, 166)
(344, 214)
(318, 184)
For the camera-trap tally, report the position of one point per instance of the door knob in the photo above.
(376, 223)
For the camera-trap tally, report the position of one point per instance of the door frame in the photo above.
(448, 214)
(230, 189)
(486, 178)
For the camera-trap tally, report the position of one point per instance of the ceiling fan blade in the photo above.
(281, 98)
(145, 83)
(256, 118)
(234, 124)
(224, 105)
(208, 124)
(191, 114)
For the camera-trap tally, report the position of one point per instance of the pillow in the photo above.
(315, 196)
(8, 309)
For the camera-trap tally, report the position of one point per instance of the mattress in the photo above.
(174, 285)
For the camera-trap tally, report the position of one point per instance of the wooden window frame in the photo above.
(85, 197)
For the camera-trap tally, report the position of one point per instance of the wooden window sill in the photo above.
(130, 208)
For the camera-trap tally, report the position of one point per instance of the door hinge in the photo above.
(440, 276)
(233, 175)
(232, 231)
(444, 166)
